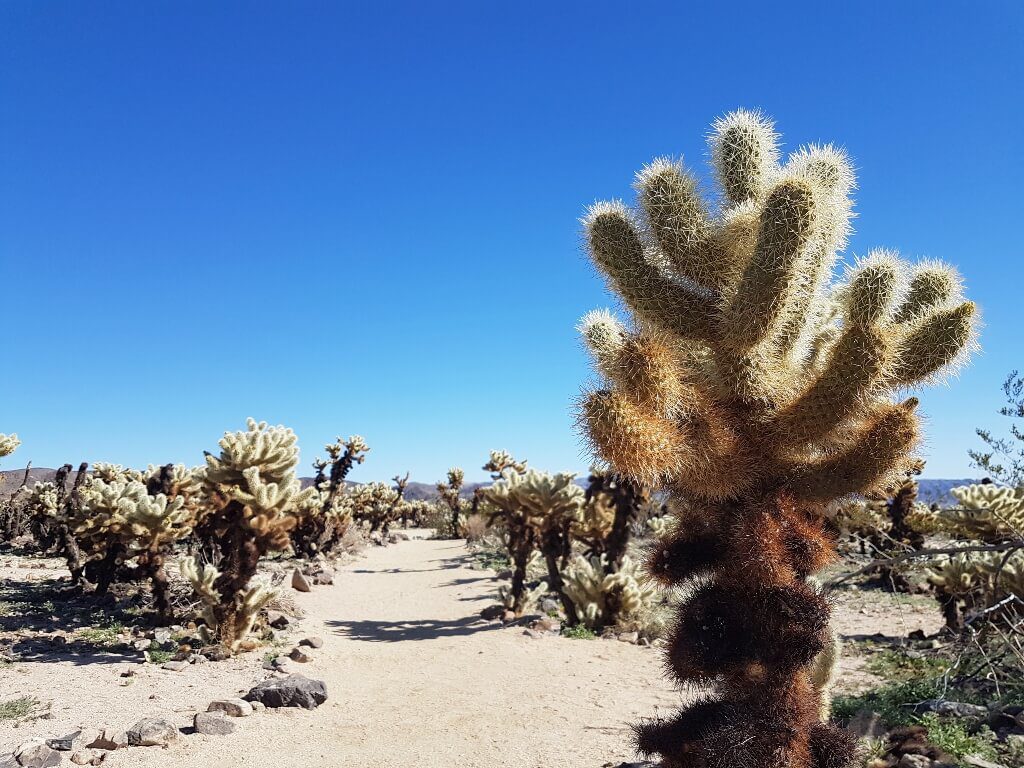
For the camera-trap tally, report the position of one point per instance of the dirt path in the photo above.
(415, 679)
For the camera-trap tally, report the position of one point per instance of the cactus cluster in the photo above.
(325, 513)
(979, 581)
(450, 493)
(755, 391)
(622, 597)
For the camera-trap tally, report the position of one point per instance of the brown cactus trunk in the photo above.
(750, 633)
(240, 555)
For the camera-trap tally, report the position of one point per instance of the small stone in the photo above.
(547, 624)
(277, 620)
(292, 691)
(312, 642)
(508, 617)
(980, 762)
(88, 757)
(547, 605)
(142, 644)
(231, 707)
(110, 738)
(914, 761)
(534, 634)
(257, 706)
(35, 754)
(866, 723)
(174, 666)
(323, 576)
(279, 662)
(73, 741)
(492, 612)
(300, 655)
(212, 724)
(952, 708)
(300, 582)
(162, 635)
(197, 658)
(629, 637)
(152, 732)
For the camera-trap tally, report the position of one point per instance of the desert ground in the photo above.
(414, 677)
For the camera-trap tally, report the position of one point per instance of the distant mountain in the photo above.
(936, 491)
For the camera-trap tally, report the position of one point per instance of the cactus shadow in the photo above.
(410, 630)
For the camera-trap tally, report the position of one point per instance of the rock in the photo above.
(629, 637)
(152, 732)
(508, 617)
(292, 691)
(174, 666)
(277, 620)
(548, 625)
(914, 761)
(88, 757)
(403, 536)
(142, 644)
(197, 658)
(312, 642)
(231, 707)
(110, 738)
(866, 723)
(162, 635)
(323, 576)
(300, 655)
(74, 741)
(215, 652)
(547, 605)
(213, 724)
(299, 582)
(35, 754)
(492, 612)
(257, 706)
(980, 762)
(8, 761)
(534, 634)
(952, 708)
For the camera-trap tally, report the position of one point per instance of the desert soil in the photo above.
(414, 678)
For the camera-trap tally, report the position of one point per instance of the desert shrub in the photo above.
(475, 529)
(756, 391)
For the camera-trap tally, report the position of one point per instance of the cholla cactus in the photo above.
(119, 519)
(624, 598)
(990, 513)
(252, 494)
(750, 388)
(326, 512)
(8, 444)
(203, 579)
(450, 493)
(617, 503)
(537, 511)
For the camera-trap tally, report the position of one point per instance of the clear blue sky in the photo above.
(362, 217)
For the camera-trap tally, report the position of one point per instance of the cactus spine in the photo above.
(755, 393)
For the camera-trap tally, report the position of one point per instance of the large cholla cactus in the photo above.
(118, 519)
(8, 444)
(754, 392)
(252, 493)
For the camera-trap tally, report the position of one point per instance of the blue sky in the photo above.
(362, 217)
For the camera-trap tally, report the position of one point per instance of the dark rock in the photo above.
(312, 642)
(73, 741)
(277, 620)
(492, 612)
(291, 691)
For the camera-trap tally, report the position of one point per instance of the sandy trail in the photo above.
(415, 679)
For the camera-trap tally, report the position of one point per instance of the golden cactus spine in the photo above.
(755, 390)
